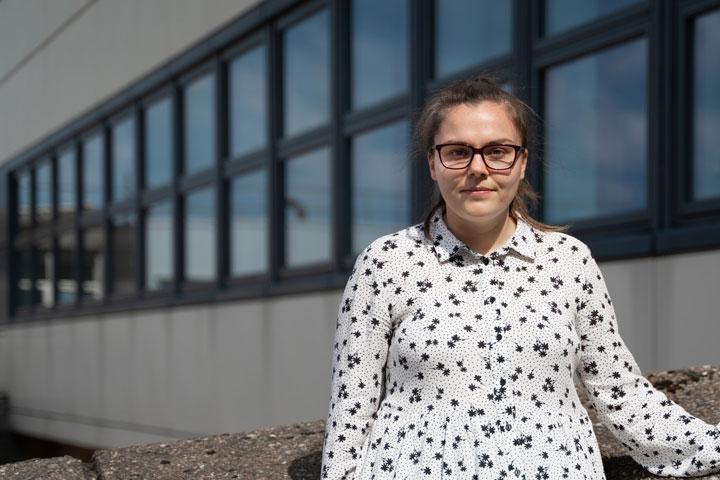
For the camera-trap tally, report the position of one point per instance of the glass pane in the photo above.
(564, 14)
(306, 86)
(159, 247)
(379, 50)
(249, 231)
(248, 106)
(159, 143)
(93, 263)
(199, 124)
(380, 184)
(93, 173)
(124, 252)
(23, 282)
(123, 159)
(200, 236)
(469, 32)
(596, 142)
(307, 209)
(67, 284)
(706, 108)
(43, 194)
(24, 203)
(45, 268)
(66, 184)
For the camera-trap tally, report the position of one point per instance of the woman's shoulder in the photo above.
(395, 244)
(560, 246)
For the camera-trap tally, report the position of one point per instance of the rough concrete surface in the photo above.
(294, 451)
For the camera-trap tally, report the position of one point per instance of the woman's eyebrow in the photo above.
(491, 142)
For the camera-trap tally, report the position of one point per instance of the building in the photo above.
(185, 185)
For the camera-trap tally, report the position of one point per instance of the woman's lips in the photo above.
(478, 193)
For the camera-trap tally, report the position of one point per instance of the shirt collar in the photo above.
(446, 244)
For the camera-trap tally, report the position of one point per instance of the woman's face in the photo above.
(478, 125)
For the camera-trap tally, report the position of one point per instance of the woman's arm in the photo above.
(360, 348)
(657, 432)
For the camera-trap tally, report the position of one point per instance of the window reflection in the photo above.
(93, 190)
(247, 91)
(24, 277)
(596, 149)
(43, 192)
(199, 124)
(307, 208)
(564, 14)
(158, 143)
(159, 247)
(93, 263)
(379, 50)
(200, 236)
(66, 184)
(124, 253)
(123, 159)
(706, 108)
(24, 202)
(306, 83)
(469, 32)
(249, 228)
(380, 184)
(45, 268)
(66, 283)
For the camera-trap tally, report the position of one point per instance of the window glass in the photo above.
(93, 263)
(199, 124)
(93, 173)
(706, 108)
(124, 252)
(380, 184)
(379, 50)
(469, 32)
(248, 106)
(159, 247)
(596, 140)
(123, 159)
(45, 268)
(307, 208)
(66, 184)
(66, 283)
(43, 193)
(200, 236)
(564, 14)
(24, 195)
(306, 86)
(159, 143)
(24, 277)
(249, 228)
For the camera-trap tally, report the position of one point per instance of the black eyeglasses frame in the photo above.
(518, 149)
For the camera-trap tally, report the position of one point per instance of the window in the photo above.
(124, 254)
(596, 140)
(199, 124)
(379, 50)
(93, 264)
(200, 236)
(24, 202)
(247, 80)
(380, 184)
(93, 190)
(159, 247)
(43, 192)
(45, 272)
(66, 283)
(706, 108)
(123, 159)
(24, 283)
(158, 145)
(470, 32)
(306, 81)
(307, 208)
(66, 184)
(565, 14)
(249, 235)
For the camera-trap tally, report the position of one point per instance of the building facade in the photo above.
(185, 185)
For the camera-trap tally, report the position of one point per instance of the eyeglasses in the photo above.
(457, 156)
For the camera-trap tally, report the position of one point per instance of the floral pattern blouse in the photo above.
(448, 364)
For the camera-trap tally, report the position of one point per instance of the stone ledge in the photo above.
(294, 451)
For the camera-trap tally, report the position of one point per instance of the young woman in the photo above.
(458, 339)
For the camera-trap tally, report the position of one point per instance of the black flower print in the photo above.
(451, 364)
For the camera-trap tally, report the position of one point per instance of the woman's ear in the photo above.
(431, 164)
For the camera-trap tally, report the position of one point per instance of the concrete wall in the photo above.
(59, 58)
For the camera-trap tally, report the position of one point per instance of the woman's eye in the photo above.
(459, 152)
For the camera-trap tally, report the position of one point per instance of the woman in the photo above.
(458, 339)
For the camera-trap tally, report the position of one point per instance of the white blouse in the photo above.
(451, 364)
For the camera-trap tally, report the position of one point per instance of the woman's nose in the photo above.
(477, 165)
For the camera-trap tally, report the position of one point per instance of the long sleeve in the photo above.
(362, 337)
(657, 432)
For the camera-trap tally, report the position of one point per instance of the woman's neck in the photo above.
(483, 237)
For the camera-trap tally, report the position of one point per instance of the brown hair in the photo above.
(473, 91)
